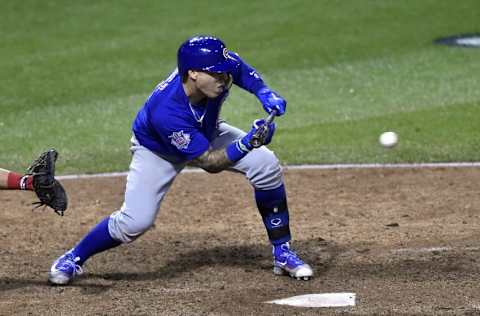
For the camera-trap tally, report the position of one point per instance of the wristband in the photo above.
(236, 151)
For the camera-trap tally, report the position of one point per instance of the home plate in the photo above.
(318, 300)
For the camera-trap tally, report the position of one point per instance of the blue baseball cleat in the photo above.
(64, 269)
(285, 261)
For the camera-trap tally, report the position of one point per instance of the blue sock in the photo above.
(273, 207)
(96, 241)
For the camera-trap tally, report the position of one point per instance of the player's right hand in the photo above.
(272, 101)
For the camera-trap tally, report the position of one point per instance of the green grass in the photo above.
(357, 141)
(73, 75)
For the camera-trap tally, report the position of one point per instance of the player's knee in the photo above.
(267, 173)
(126, 228)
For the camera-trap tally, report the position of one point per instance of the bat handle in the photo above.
(271, 116)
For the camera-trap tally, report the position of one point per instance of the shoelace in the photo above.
(289, 254)
(70, 262)
(78, 269)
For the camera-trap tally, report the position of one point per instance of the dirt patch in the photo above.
(406, 241)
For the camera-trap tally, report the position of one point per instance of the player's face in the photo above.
(212, 84)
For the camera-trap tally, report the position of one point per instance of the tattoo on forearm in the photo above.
(212, 161)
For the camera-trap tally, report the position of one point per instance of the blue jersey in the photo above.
(174, 129)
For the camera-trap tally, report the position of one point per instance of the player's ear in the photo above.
(192, 74)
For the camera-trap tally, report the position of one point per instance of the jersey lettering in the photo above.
(162, 85)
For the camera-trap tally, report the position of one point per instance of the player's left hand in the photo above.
(266, 136)
(272, 100)
(269, 130)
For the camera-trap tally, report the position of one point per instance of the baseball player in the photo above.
(40, 178)
(178, 126)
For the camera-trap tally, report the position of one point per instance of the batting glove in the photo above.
(270, 130)
(240, 148)
(271, 100)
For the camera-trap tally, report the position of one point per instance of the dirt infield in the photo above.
(406, 241)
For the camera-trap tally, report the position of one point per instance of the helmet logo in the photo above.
(225, 53)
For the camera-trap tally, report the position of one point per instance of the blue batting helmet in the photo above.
(205, 53)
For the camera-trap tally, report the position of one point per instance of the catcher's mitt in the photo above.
(49, 191)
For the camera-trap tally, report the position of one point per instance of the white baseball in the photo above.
(388, 139)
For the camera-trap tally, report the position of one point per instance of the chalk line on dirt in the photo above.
(303, 167)
(318, 300)
(433, 249)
